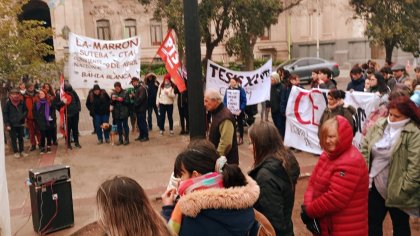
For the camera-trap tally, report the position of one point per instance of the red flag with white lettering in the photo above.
(170, 56)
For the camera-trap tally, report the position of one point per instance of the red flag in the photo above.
(170, 56)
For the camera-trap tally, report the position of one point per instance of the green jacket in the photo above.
(404, 171)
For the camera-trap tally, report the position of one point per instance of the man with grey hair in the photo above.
(222, 131)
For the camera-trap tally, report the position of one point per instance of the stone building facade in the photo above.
(340, 36)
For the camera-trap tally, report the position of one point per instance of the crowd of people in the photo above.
(350, 191)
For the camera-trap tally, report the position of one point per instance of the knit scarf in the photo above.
(207, 181)
(47, 108)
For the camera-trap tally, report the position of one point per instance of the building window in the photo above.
(266, 35)
(155, 32)
(103, 29)
(130, 28)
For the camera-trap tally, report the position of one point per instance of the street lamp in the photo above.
(317, 28)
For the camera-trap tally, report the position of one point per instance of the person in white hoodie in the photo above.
(165, 102)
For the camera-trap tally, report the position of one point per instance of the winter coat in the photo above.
(404, 170)
(29, 103)
(242, 98)
(98, 104)
(120, 109)
(163, 98)
(225, 211)
(328, 85)
(276, 194)
(337, 192)
(152, 88)
(182, 99)
(356, 85)
(140, 98)
(73, 108)
(14, 116)
(275, 93)
(343, 110)
(42, 122)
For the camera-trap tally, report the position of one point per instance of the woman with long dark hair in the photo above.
(125, 210)
(276, 171)
(377, 84)
(392, 151)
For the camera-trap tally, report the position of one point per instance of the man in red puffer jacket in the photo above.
(337, 193)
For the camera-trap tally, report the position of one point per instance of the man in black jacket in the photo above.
(14, 113)
(140, 107)
(98, 103)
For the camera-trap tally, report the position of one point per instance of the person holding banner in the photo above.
(290, 81)
(337, 192)
(391, 149)
(236, 104)
(120, 103)
(324, 79)
(222, 132)
(165, 103)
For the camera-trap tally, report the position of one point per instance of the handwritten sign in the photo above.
(93, 61)
(232, 100)
(256, 83)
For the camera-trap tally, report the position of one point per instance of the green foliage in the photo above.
(22, 44)
(391, 23)
(157, 68)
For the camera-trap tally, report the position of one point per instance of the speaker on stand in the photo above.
(51, 198)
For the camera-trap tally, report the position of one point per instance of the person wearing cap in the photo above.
(34, 134)
(165, 102)
(357, 82)
(238, 112)
(120, 102)
(399, 73)
(98, 103)
(140, 106)
(14, 113)
(152, 87)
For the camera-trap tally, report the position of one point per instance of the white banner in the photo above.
(233, 100)
(304, 111)
(4, 193)
(256, 83)
(93, 61)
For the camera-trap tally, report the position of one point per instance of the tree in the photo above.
(22, 44)
(249, 20)
(213, 13)
(391, 23)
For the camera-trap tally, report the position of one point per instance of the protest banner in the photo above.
(170, 56)
(304, 111)
(4, 193)
(93, 61)
(233, 100)
(256, 83)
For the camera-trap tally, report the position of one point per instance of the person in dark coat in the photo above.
(325, 79)
(215, 197)
(275, 92)
(98, 103)
(42, 112)
(140, 107)
(183, 111)
(51, 96)
(14, 113)
(276, 171)
(222, 131)
(70, 100)
(357, 80)
(152, 87)
(120, 102)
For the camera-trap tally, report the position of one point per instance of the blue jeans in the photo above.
(123, 123)
(163, 109)
(142, 124)
(99, 120)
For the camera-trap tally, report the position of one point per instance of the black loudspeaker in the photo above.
(51, 199)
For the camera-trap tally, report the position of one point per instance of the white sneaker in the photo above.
(161, 132)
(171, 132)
(16, 155)
(23, 154)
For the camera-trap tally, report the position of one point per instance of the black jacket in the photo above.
(14, 116)
(73, 108)
(120, 109)
(98, 104)
(357, 85)
(140, 98)
(39, 116)
(276, 195)
(275, 95)
(152, 88)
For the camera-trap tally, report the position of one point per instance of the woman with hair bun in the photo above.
(125, 210)
(215, 197)
(392, 151)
